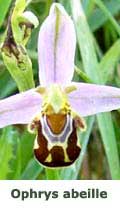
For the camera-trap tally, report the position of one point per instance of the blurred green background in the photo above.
(97, 61)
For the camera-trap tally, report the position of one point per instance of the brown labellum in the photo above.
(56, 143)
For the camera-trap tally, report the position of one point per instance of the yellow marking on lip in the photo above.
(36, 145)
(66, 158)
(48, 159)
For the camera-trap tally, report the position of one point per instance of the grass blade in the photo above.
(32, 170)
(4, 6)
(90, 62)
(108, 14)
(52, 174)
(97, 19)
(109, 60)
(8, 143)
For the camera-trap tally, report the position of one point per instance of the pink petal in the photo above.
(56, 47)
(91, 99)
(19, 108)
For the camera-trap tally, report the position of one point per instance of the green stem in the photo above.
(52, 174)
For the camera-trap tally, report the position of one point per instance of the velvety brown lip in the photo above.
(56, 122)
(57, 153)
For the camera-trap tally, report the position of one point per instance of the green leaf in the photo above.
(88, 7)
(7, 152)
(85, 41)
(97, 19)
(82, 75)
(108, 62)
(4, 6)
(7, 84)
(109, 140)
(26, 142)
(52, 174)
(15, 163)
(32, 170)
(108, 14)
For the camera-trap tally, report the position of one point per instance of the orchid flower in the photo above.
(54, 110)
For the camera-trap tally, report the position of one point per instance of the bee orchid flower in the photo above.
(54, 110)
